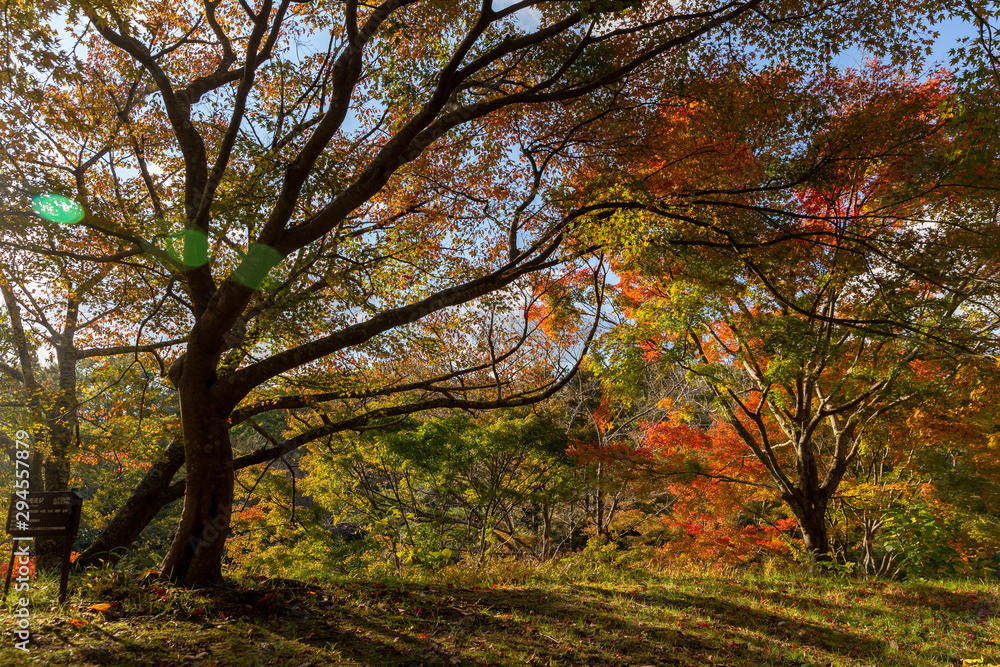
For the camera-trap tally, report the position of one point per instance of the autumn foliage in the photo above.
(495, 279)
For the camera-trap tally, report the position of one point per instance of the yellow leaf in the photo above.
(104, 606)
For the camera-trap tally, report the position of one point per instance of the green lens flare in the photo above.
(57, 208)
(189, 247)
(259, 260)
(195, 248)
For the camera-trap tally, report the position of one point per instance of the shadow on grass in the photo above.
(955, 602)
(404, 624)
(588, 629)
(757, 630)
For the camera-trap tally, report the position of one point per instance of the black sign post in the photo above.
(48, 515)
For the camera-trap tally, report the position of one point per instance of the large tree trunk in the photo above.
(811, 515)
(195, 556)
(808, 503)
(153, 493)
(148, 498)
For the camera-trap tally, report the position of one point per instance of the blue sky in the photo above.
(951, 32)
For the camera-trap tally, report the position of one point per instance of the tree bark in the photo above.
(153, 493)
(62, 421)
(810, 512)
(195, 556)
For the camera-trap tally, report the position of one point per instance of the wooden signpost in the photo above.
(48, 515)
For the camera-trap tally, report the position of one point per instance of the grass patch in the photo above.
(562, 613)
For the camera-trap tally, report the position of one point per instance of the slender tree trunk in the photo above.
(36, 464)
(195, 556)
(62, 421)
(546, 530)
(27, 360)
(600, 500)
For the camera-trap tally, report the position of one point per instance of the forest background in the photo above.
(313, 288)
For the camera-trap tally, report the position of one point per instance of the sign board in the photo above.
(52, 514)
(48, 514)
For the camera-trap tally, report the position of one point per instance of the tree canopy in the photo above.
(308, 218)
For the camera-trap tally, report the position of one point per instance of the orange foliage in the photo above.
(31, 568)
(674, 437)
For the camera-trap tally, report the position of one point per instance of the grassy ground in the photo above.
(513, 615)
